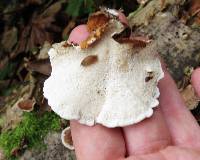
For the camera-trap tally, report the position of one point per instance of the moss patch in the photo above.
(32, 129)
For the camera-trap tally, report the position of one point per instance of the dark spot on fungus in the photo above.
(89, 60)
(149, 77)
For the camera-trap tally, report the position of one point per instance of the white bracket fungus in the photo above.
(104, 81)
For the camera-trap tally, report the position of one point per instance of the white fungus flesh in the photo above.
(117, 88)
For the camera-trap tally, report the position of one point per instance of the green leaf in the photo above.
(89, 6)
(77, 8)
(73, 8)
(7, 70)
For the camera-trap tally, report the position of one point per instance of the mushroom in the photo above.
(26, 105)
(102, 80)
(67, 138)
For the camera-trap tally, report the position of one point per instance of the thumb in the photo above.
(79, 34)
(195, 79)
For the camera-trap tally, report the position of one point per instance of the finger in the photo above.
(182, 125)
(195, 79)
(170, 153)
(147, 136)
(98, 142)
(78, 34)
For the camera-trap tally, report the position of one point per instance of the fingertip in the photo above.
(195, 80)
(78, 34)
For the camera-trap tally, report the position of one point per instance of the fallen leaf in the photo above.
(52, 10)
(96, 25)
(97, 20)
(38, 30)
(195, 7)
(40, 66)
(68, 29)
(2, 103)
(9, 39)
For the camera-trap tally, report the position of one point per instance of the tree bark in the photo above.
(176, 42)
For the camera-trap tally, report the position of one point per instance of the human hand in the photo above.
(171, 133)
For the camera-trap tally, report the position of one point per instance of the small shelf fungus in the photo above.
(106, 79)
(66, 138)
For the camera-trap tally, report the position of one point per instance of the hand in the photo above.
(171, 133)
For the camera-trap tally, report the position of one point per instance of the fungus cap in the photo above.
(116, 87)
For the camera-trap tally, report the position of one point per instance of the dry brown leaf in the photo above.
(194, 10)
(52, 10)
(190, 98)
(193, 13)
(97, 20)
(2, 103)
(9, 39)
(195, 7)
(96, 25)
(38, 30)
(44, 107)
(12, 116)
(40, 66)
(68, 29)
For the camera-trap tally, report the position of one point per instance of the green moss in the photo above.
(33, 128)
